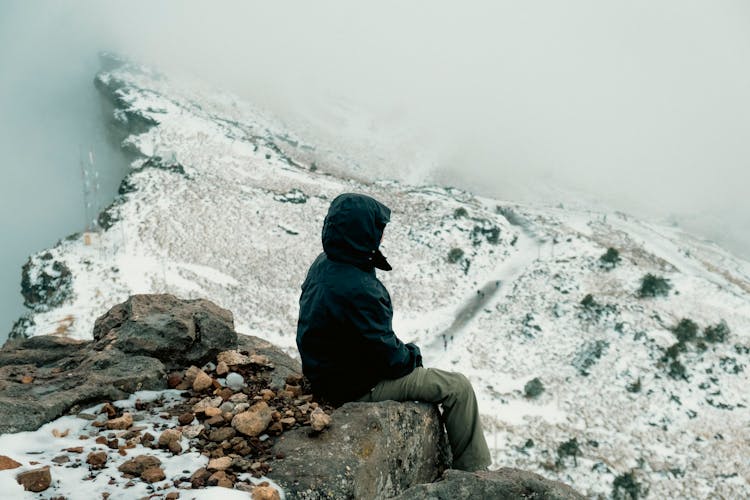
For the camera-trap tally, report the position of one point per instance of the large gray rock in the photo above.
(503, 484)
(177, 332)
(136, 343)
(371, 451)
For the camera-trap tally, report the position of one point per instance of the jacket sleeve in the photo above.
(371, 316)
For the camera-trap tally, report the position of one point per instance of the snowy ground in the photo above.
(75, 479)
(229, 206)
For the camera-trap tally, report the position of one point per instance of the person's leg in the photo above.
(454, 393)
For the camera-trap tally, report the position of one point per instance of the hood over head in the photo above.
(352, 231)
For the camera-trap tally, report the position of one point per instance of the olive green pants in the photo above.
(454, 393)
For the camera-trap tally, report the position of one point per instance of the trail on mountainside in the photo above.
(529, 245)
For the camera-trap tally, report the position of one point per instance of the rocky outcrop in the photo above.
(249, 409)
(503, 484)
(371, 450)
(134, 346)
(178, 332)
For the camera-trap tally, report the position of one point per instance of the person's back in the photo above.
(344, 331)
(344, 334)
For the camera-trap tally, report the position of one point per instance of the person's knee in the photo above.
(460, 385)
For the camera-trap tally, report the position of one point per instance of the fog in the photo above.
(643, 106)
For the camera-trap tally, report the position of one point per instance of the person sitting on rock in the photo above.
(344, 335)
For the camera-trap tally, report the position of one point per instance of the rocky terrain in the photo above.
(245, 417)
(607, 352)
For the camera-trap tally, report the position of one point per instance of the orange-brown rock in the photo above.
(232, 358)
(135, 466)
(202, 381)
(212, 411)
(265, 492)
(8, 463)
(222, 368)
(120, 423)
(97, 459)
(220, 478)
(185, 418)
(253, 421)
(35, 480)
(221, 463)
(319, 420)
(153, 475)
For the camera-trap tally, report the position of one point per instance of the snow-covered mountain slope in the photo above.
(226, 204)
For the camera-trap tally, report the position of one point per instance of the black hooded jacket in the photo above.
(344, 332)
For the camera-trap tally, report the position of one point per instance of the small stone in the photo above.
(192, 431)
(265, 493)
(259, 359)
(175, 447)
(235, 381)
(206, 403)
(225, 393)
(74, 449)
(294, 389)
(238, 398)
(239, 408)
(220, 478)
(267, 394)
(288, 421)
(304, 408)
(189, 378)
(222, 463)
(200, 478)
(202, 381)
(8, 463)
(135, 466)
(222, 368)
(226, 407)
(174, 379)
(110, 410)
(276, 428)
(253, 421)
(168, 436)
(27, 379)
(215, 421)
(153, 475)
(35, 480)
(232, 358)
(97, 459)
(172, 496)
(212, 412)
(221, 434)
(60, 434)
(120, 423)
(294, 379)
(209, 367)
(319, 420)
(185, 418)
(60, 459)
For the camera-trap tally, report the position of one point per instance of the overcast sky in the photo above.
(645, 104)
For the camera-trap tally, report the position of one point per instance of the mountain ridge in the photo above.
(221, 198)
